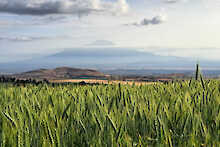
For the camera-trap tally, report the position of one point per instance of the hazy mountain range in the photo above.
(106, 59)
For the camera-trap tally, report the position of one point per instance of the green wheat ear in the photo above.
(199, 75)
(197, 71)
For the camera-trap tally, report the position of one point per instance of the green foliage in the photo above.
(176, 114)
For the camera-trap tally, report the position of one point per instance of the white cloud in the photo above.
(123, 6)
(101, 43)
(171, 1)
(174, 1)
(23, 38)
(4, 23)
(74, 7)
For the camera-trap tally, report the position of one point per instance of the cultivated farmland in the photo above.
(174, 114)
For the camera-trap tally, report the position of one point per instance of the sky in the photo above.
(183, 28)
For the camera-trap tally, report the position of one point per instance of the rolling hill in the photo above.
(60, 73)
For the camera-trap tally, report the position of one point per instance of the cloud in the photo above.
(43, 20)
(49, 19)
(4, 23)
(74, 7)
(171, 1)
(101, 43)
(159, 19)
(123, 6)
(175, 1)
(22, 38)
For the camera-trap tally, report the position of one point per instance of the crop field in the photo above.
(92, 81)
(175, 114)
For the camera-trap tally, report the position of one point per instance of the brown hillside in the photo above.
(60, 73)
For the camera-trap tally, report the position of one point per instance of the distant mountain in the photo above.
(106, 58)
(60, 73)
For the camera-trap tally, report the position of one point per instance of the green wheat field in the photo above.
(174, 114)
